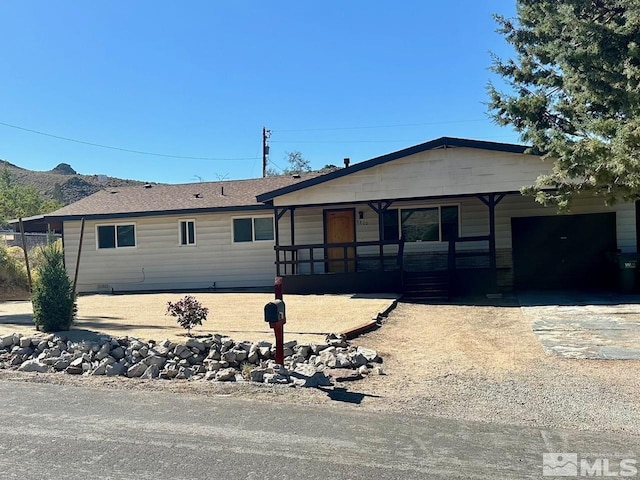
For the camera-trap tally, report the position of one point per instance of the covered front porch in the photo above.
(427, 246)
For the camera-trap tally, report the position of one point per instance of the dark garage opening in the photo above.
(568, 251)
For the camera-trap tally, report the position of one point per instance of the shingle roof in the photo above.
(167, 199)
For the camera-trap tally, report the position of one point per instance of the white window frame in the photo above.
(195, 235)
(426, 207)
(253, 229)
(115, 226)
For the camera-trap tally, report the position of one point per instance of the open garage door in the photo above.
(568, 251)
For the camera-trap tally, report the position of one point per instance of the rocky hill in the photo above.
(63, 183)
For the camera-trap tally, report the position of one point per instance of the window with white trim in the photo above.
(431, 224)
(253, 229)
(187, 232)
(116, 236)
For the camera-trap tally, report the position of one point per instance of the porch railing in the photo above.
(346, 257)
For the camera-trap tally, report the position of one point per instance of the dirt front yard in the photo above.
(239, 315)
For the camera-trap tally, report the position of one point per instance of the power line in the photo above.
(379, 126)
(119, 148)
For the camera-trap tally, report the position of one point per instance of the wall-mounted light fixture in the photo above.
(360, 214)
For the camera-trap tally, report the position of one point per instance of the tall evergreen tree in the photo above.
(575, 94)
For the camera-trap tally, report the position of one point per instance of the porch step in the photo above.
(426, 286)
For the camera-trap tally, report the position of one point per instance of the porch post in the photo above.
(492, 243)
(277, 239)
(491, 201)
(380, 207)
(294, 253)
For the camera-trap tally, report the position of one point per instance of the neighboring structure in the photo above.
(446, 214)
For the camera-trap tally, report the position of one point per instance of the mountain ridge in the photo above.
(63, 183)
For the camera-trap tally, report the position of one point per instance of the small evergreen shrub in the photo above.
(54, 305)
(189, 311)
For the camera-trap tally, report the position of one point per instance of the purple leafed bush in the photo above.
(189, 311)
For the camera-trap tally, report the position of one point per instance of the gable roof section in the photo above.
(442, 142)
(181, 199)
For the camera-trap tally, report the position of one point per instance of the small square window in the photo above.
(242, 230)
(126, 236)
(263, 228)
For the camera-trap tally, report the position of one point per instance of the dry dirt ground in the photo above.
(466, 361)
(239, 315)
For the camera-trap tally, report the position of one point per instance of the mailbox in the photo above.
(274, 311)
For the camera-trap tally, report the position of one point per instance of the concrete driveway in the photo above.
(585, 325)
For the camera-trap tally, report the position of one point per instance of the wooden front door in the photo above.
(339, 227)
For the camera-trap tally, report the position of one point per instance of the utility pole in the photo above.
(266, 134)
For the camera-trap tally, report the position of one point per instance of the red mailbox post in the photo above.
(275, 314)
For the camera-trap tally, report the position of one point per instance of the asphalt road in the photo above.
(57, 432)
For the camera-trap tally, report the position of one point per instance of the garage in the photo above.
(567, 251)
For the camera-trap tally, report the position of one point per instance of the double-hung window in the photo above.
(116, 236)
(252, 229)
(187, 232)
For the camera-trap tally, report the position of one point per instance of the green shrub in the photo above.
(190, 312)
(54, 305)
(13, 275)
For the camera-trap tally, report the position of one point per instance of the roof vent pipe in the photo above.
(346, 162)
(222, 190)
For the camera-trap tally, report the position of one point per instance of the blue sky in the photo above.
(331, 79)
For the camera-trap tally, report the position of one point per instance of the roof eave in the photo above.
(156, 213)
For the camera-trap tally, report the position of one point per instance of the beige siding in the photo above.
(449, 171)
(158, 262)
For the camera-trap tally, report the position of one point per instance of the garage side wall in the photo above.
(157, 262)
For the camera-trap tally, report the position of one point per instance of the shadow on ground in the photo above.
(341, 394)
(17, 319)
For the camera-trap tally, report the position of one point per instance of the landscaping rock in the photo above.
(195, 343)
(226, 374)
(136, 370)
(74, 370)
(257, 374)
(215, 357)
(61, 364)
(33, 366)
(155, 360)
(114, 369)
(117, 353)
(306, 376)
(343, 374)
(370, 354)
(184, 373)
(6, 341)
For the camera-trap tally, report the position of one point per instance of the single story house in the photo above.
(443, 216)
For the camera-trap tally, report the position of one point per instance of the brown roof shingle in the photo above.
(190, 197)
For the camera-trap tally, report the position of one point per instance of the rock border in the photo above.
(212, 358)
